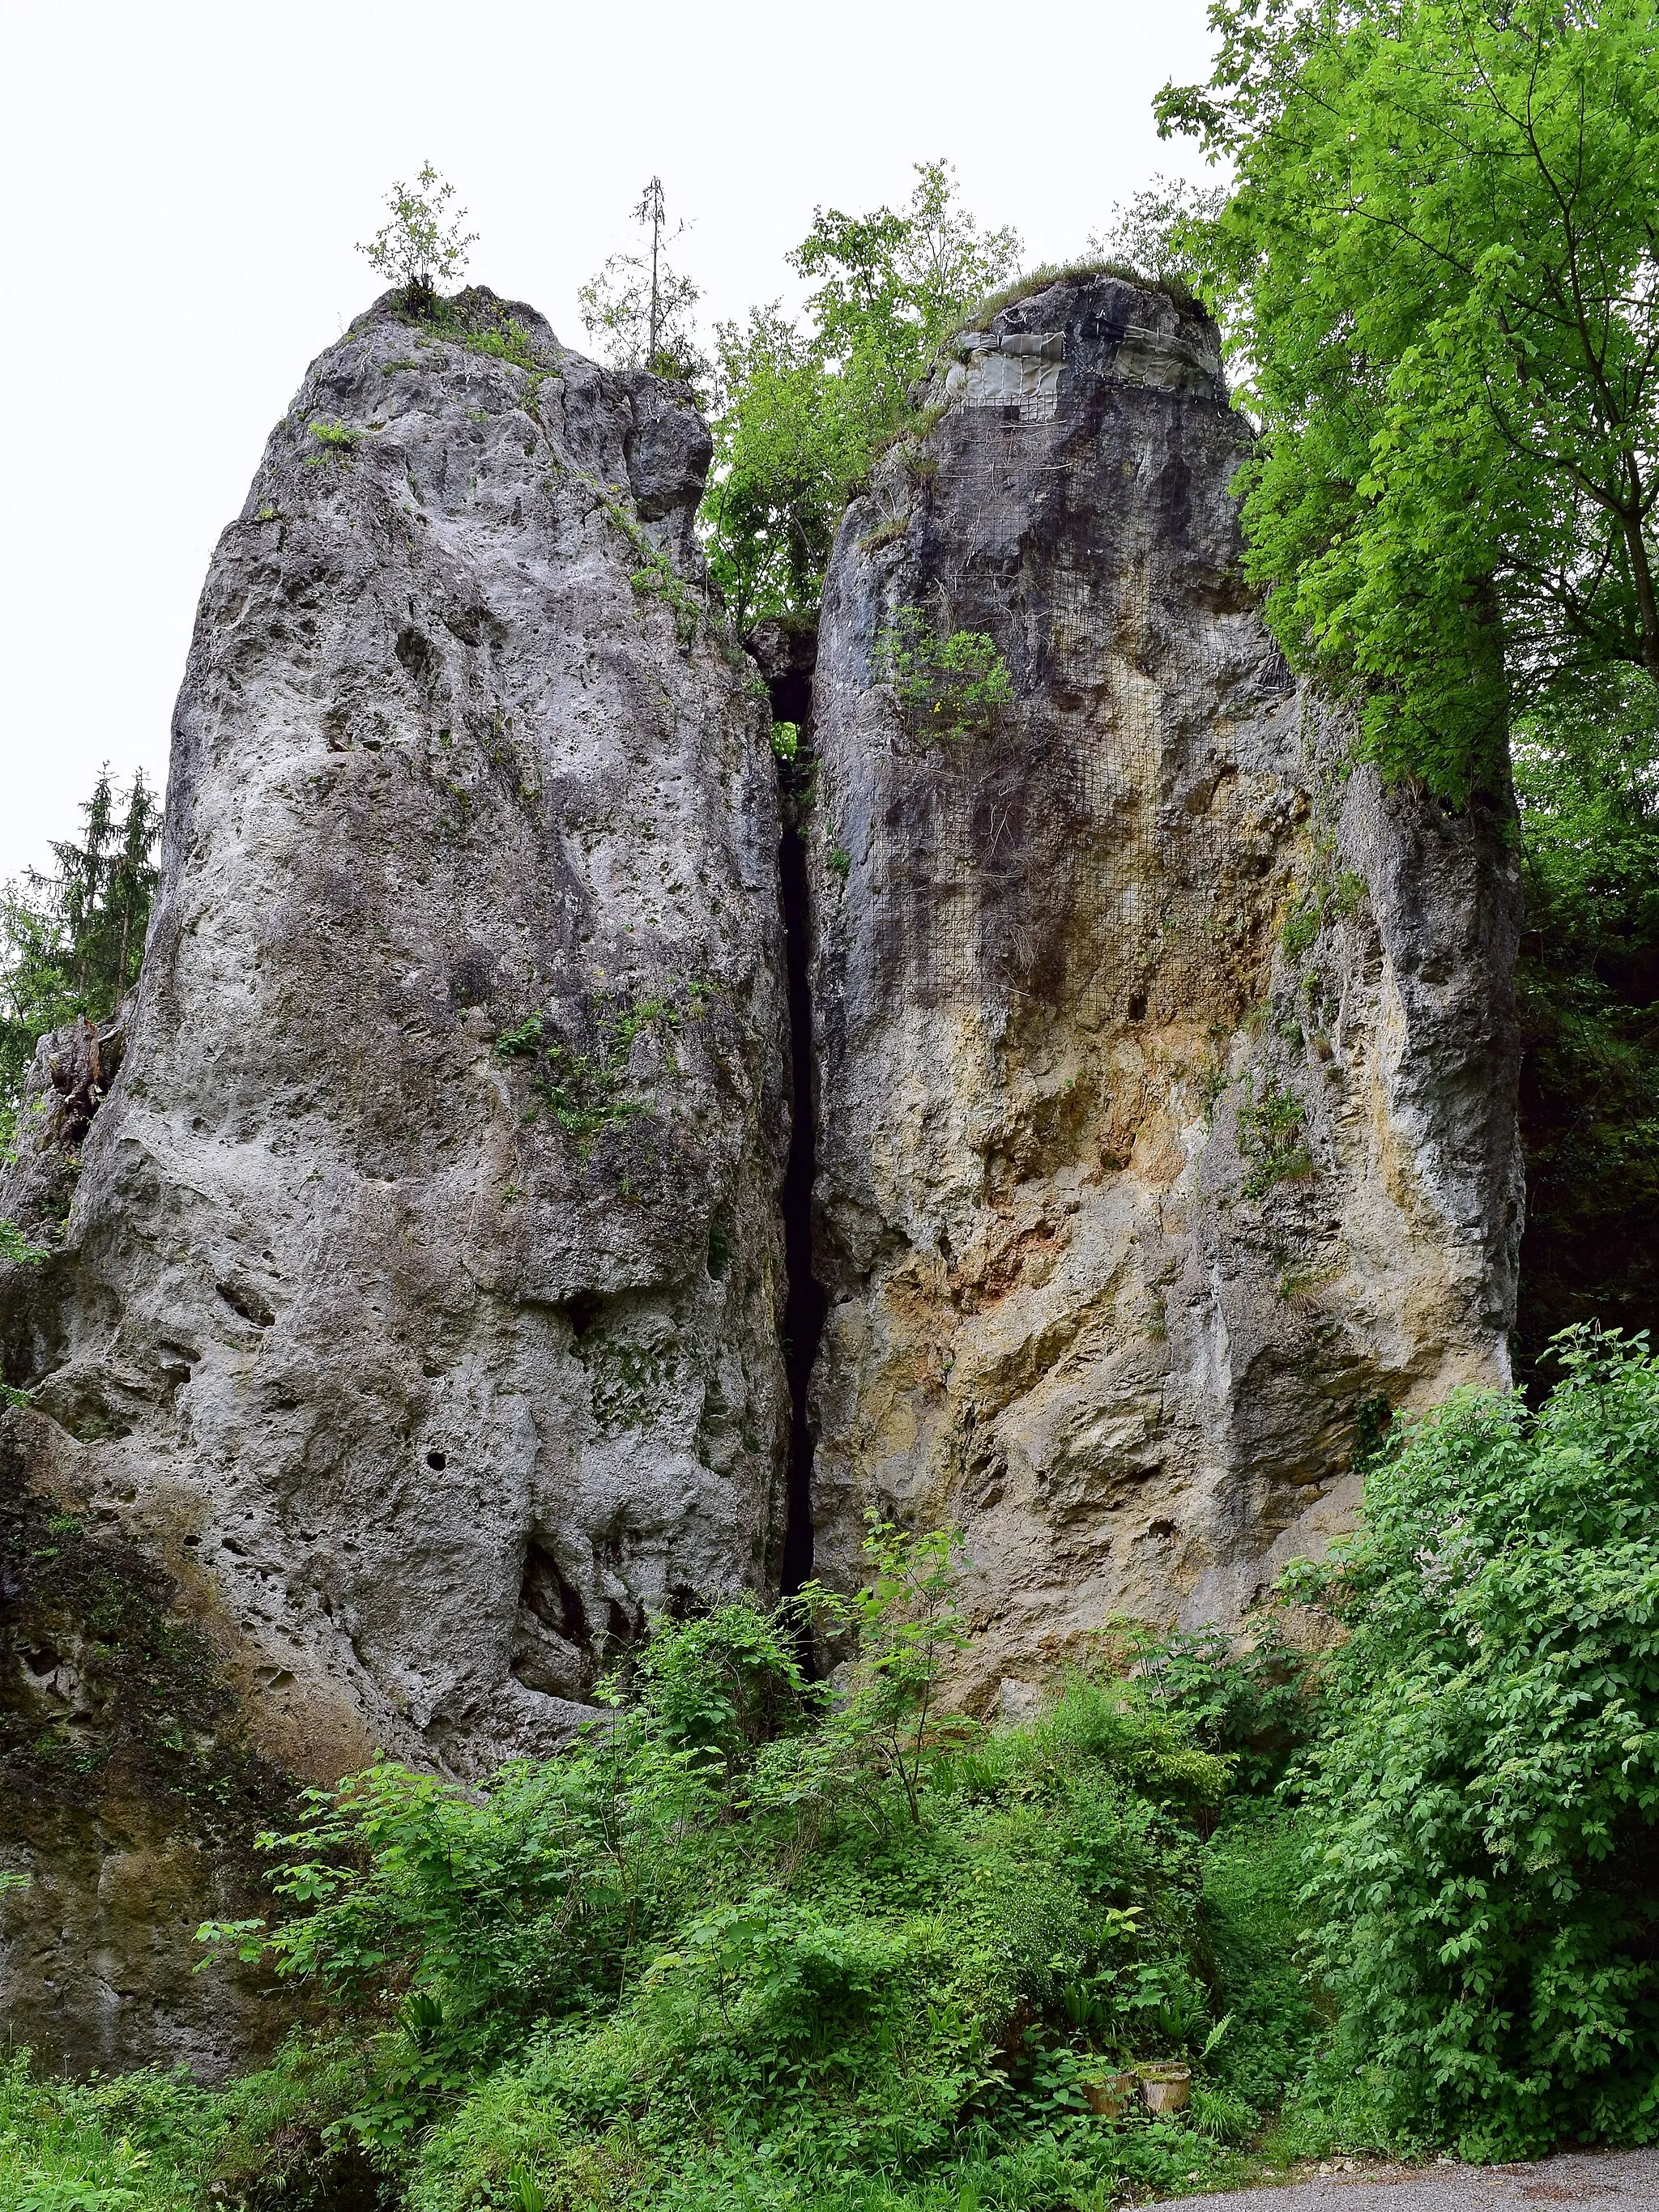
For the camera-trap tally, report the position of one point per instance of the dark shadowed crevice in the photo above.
(784, 649)
(803, 1313)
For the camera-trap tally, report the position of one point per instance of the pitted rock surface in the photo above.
(415, 1312)
(1167, 1077)
(420, 1294)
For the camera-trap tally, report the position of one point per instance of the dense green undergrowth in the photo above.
(767, 1941)
(1482, 1804)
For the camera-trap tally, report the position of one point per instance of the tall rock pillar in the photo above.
(1166, 1130)
(417, 1309)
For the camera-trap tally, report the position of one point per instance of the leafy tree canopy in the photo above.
(1439, 264)
(801, 408)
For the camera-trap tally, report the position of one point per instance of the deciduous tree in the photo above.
(801, 408)
(1441, 263)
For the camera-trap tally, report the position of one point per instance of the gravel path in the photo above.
(1594, 2181)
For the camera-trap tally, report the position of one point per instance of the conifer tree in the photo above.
(71, 942)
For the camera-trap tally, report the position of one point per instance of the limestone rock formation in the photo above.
(416, 1319)
(417, 1309)
(1166, 1075)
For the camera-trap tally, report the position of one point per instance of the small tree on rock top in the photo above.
(424, 244)
(639, 308)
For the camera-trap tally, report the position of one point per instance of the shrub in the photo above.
(465, 1918)
(801, 408)
(422, 245)
(1252, 1706)
(755, 1940)
(947, 687)
(1484, 1863)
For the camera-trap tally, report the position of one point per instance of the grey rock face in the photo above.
(414, 1322)
(420, 1292)
(1166, 1115)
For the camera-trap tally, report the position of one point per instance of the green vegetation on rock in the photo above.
(1272, 1133)
(952, 687)
(587, 1091)
(801, 408)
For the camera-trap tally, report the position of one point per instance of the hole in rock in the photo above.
(719, 1248)
(551, 1595)
(619, 1626)
(557, 1648)
(785, 649)
(792, 694)
(437, 1461)
(418, 655)
(243, 1299)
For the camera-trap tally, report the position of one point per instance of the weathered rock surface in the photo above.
(1166, 1079)
(416, 1318)
(128, 1792)
(418, 1304)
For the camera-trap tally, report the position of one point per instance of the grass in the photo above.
(1173, 288)
(138, 2143)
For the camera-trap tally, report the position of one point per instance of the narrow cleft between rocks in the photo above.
(804, 1304)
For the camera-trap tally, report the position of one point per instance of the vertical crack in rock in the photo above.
(786, 653)
(803, 1321)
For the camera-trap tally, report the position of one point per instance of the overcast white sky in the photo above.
(185, 184)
